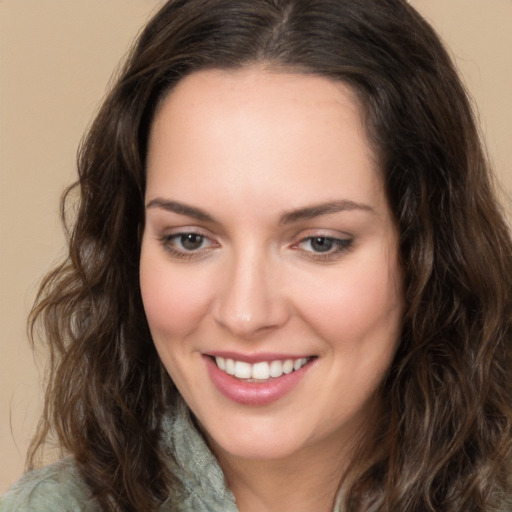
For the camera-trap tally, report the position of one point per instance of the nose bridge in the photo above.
(250, 300)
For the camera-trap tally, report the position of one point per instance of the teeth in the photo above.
(242, 370)
(259, 371)
(230, 367)
(288, 366)
(276, 369)
(299, 363)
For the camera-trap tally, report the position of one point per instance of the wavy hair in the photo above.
(443, 441)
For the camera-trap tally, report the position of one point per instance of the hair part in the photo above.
(443, 440)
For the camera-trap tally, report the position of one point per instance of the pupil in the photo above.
(191, 241)
(321, 244)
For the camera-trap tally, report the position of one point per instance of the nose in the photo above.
(251, 300)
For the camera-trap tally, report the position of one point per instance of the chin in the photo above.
(257, 440)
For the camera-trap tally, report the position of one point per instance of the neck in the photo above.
(304, 482)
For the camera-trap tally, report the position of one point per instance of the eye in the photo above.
(187, 244)
(324, 247)
(321, 243)
(190, 241)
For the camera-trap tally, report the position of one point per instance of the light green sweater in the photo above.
(59, 487)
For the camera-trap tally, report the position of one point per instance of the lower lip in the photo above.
(254, 393)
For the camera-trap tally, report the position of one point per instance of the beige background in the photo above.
(56, 58)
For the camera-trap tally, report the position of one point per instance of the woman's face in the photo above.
(270, 252)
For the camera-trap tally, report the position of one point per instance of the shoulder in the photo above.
(55, 488)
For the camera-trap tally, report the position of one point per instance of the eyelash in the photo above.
(339, 246)
(167, 242)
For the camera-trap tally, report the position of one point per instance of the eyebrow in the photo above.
(316, 210)
(289, 217)
(180, 208)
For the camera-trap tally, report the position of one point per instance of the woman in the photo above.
(288, 285)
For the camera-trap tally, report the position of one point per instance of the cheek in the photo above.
(356, 306)
(174, 301)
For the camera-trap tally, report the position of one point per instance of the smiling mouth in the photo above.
(263, 371)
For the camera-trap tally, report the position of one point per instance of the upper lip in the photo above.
(256, 358)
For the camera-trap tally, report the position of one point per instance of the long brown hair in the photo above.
(444, 438)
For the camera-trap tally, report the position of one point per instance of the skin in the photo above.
(247, 147)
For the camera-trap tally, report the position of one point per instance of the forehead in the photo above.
(256, 89)
(253, 130)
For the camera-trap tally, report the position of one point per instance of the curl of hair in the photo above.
(444, 435)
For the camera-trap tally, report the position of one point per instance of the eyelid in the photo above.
(169, 235)
(343, 243)
(321, 233)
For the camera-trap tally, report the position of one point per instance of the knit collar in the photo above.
(204, 487)
(203, 483)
